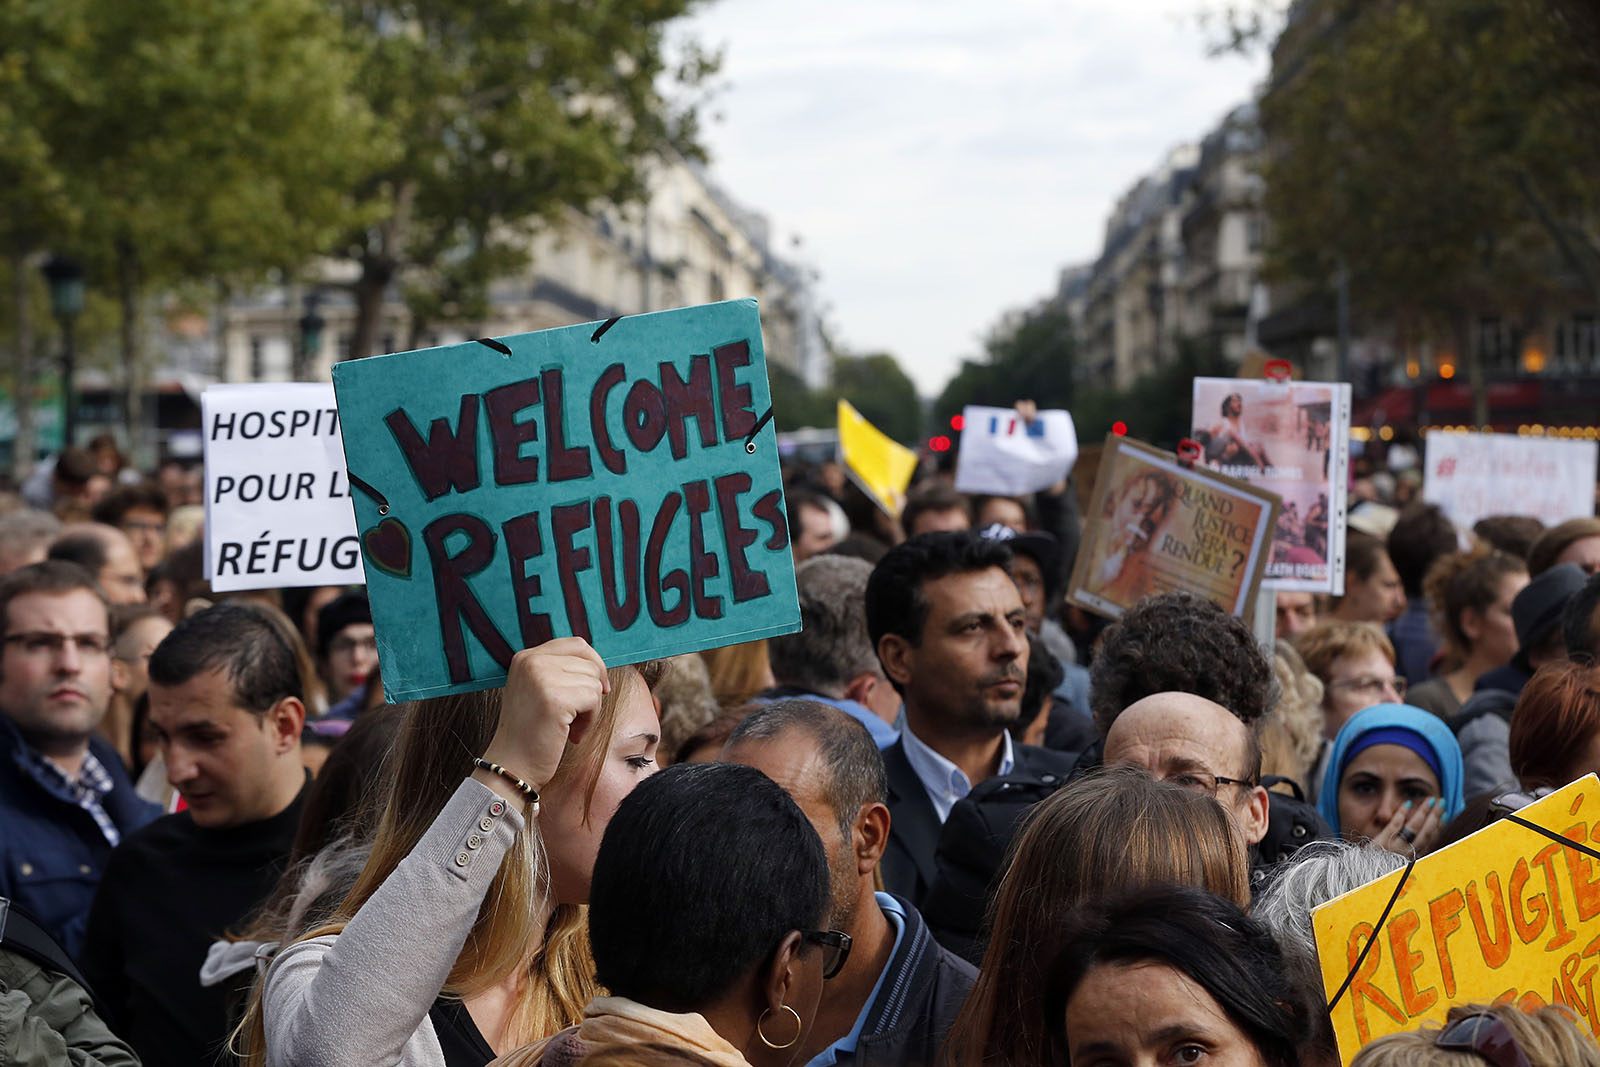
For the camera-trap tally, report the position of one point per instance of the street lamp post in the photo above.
(65, 277)
(311, 324)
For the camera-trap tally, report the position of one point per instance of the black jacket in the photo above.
(908, 864)
(923, 989)
(170, 890)
(52, 852)
(975, 841)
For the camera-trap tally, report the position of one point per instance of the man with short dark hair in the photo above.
(899, 991)
(948, 625)
(1165, 647)
(1421, 535)
(63, 482)
(1180, 642)
(140, 511)
(934, 508)
(65, 798)
(816, 523)
(1296, 613)
(227, 707)
(108, 554)
(830, 658)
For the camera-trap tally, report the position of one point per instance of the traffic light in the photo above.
(940, 443)
(1119, 428)
(958, 422)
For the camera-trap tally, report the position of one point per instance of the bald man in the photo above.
(1199, 744)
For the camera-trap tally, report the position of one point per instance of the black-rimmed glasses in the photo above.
(1484, 1035)
(835, 947)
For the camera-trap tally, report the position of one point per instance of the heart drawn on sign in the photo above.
(388, 546)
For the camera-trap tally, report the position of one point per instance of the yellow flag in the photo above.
(880, 465)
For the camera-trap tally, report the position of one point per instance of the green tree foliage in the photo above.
(795, 406)
(1026, 357)
(877, 387)
(510, 113)
(1443, 151)
(40, 79)
(177, 140)
(874, 384)
(1157, 407)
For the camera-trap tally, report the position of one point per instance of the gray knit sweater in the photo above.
(362, 996)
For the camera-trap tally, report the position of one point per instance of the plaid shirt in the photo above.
(86, 791)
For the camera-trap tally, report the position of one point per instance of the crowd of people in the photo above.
(950, 821)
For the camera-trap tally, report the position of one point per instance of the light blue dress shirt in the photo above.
(945, 782)
(843, 1051)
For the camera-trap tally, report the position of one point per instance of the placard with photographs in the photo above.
(1156, 524)
(1292, 439)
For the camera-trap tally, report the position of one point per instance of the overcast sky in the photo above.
(941, 160)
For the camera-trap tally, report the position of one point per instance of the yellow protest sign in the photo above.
(879, 464)
(1510, 914)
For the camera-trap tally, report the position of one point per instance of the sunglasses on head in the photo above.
(1483, 1034)
(835, 947)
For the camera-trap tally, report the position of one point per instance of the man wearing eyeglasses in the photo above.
(896, 996)
(1200, 745)
(65, 797)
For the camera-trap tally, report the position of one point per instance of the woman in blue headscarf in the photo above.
(1393, 778)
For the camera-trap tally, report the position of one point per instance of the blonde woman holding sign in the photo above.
(465, 935)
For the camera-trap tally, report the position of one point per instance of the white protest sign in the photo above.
(1006, 455)
(277, 500)
(1475, 475)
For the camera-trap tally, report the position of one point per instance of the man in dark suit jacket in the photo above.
(948, 625)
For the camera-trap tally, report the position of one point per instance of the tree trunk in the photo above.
(25, 382)
(219, 329)
(382, 260)
(128, 293)
(369, 292)
(414, 329)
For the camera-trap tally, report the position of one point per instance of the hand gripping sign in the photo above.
(1509, 914)
(1005, 454)
(616, 481)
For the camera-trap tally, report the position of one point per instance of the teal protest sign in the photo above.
(618, 481)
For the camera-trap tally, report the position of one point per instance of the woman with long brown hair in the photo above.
(465, 934)
(1093, 840)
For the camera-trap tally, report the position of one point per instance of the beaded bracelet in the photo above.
(522, 787)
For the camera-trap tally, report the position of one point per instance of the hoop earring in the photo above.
(798, 1026)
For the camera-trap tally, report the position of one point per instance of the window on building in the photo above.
(258, 358)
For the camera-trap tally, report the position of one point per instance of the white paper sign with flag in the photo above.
(1475, 475)
(1006, 455)
(277, 499)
